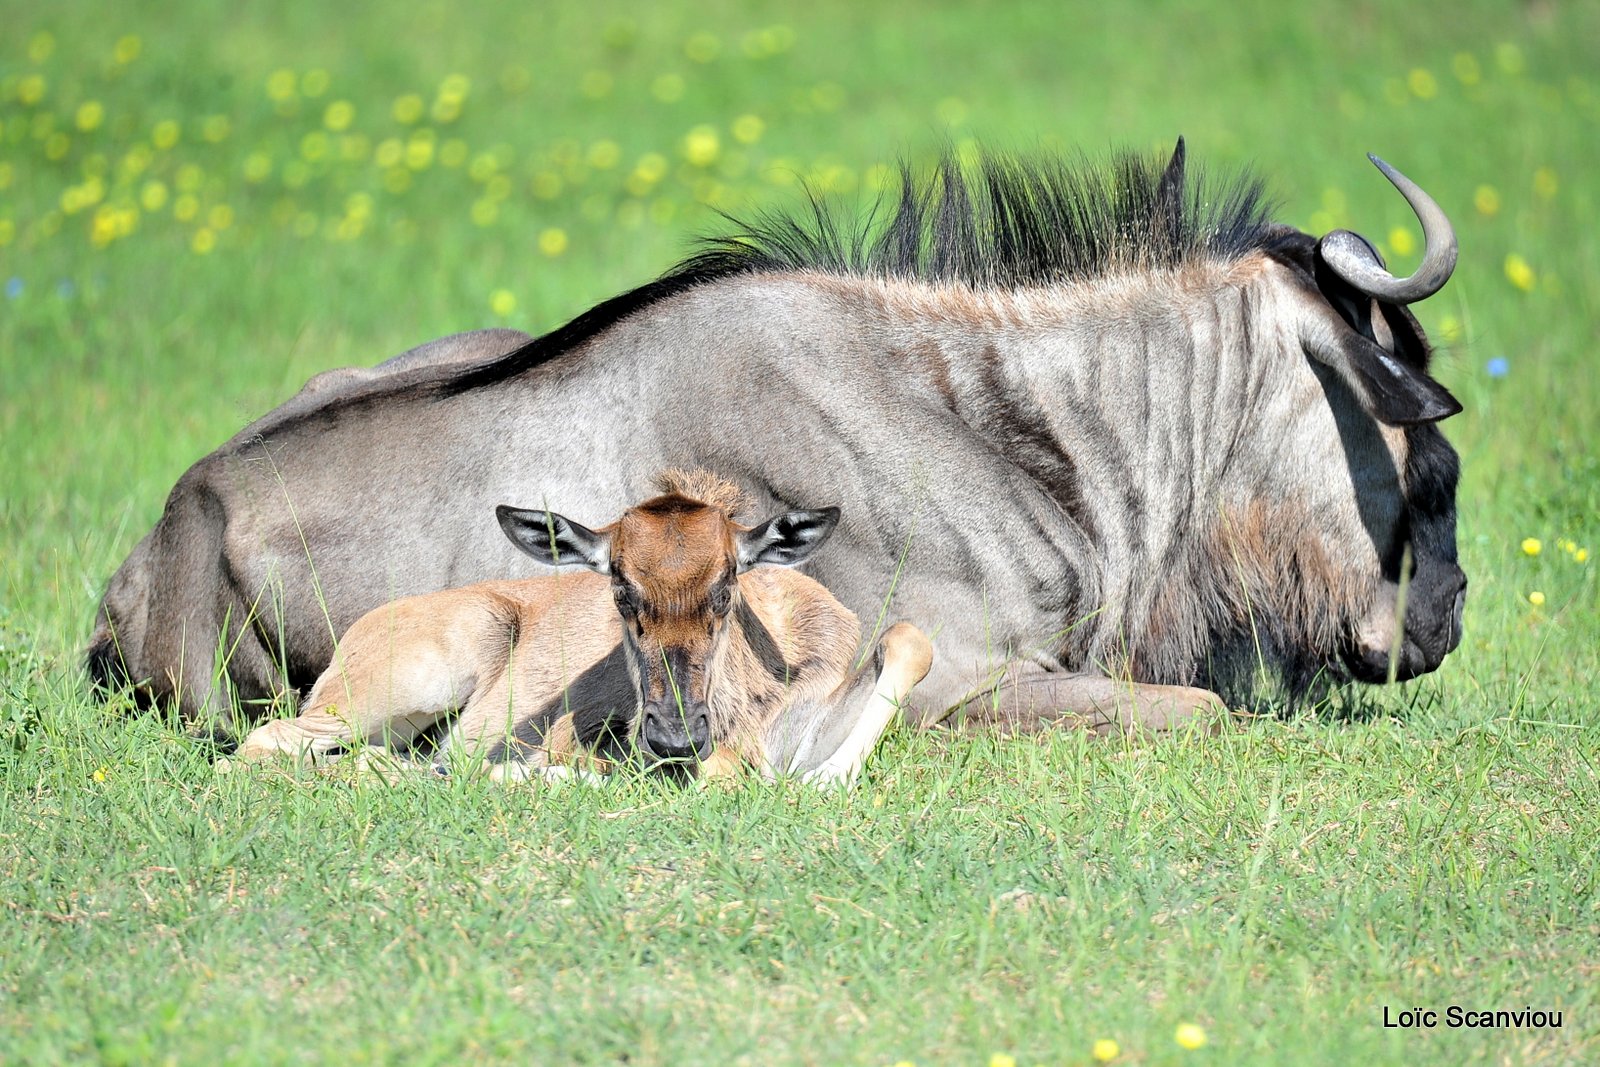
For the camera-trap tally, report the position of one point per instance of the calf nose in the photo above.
(673, 733)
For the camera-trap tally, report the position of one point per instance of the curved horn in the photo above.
(1351, 258)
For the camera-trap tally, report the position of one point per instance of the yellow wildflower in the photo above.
(90, 114)
(553, 242)
(153, 197)
(1400, 240)
(1531, 546)
(419, 152)
(703, 47)
(1001, 1059)
(216, 128)
(502, 302)
(185, 207)
(8, 231)
(389, 152)
(165, 133)
(42, 45)
(484, 212)
(127, 48)
(204, 241)
(1189, 1036)
(280, 84)
(1581, 554)
(747, 129)
(701, 146)
(1466, 68)
(57, 145)
(603, 155)
(220, 217)
(103, 229)
(1422, 83)
(1487, 200)
(1519, 273)
(667, 88)
(408, 108)
(30, 90)
(546, 185)
(652, 167)
(446, 109)
(257, 167)
(339, 115)
(1536, 598)
(1105, 1050)
(102, 773)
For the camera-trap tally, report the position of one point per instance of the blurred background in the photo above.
(202, 204)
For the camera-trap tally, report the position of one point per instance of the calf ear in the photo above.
(554, 540)
(787, 539)
(1391, 391)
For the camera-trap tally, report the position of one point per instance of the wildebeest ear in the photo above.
(1388, 389)
(555, 540)
(786, 539)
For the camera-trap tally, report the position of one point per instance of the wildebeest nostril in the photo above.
(1455, 617)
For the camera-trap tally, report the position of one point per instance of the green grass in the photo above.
(975, 895)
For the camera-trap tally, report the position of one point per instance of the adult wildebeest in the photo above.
(1105, 433)
(691, 637)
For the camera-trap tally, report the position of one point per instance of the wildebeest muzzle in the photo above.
(1435, 599)
(676, 734)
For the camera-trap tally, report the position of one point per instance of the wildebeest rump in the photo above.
(1089, 426)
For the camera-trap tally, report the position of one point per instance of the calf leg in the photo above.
(903, 658)
(1104, 705)
(379, 690)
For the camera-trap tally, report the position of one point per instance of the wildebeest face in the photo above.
(1374, 360)
(674, 565)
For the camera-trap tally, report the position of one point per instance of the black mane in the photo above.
(1004, 222)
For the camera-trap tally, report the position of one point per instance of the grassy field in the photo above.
(202, 204)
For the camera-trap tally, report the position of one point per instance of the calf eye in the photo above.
(626, 603)
(721, 598)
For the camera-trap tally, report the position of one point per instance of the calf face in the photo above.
(674, 564)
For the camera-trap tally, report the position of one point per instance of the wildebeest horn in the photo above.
(1351, 258)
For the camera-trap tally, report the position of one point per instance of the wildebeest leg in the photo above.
(903, 657)
(376, 692)
(1104, 705)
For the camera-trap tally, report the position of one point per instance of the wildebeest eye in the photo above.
(721, 597)
(627, 602)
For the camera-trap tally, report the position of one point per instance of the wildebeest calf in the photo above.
(688, 640)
